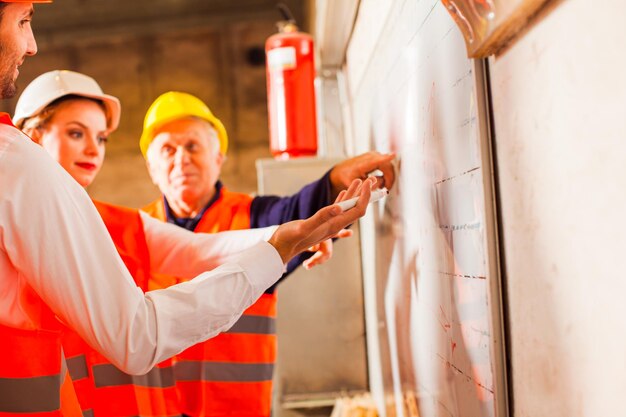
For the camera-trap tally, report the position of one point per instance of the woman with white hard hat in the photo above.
(69, 115)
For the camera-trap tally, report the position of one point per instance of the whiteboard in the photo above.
(432, 282)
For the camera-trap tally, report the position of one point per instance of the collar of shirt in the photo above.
(190, 223)
(6, 119)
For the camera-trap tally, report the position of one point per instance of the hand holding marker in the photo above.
(374, 196)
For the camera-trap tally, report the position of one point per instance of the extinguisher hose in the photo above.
(287, 15)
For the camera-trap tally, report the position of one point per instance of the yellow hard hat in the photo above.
(175, 105)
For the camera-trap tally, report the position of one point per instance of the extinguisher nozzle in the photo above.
(286, 13)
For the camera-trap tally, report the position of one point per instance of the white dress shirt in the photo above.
(53, 240)
(180, 253)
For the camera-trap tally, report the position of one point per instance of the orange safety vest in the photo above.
(103, 389)
(33, 378)
(230, 374)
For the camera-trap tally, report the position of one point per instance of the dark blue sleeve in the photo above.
(272, 210)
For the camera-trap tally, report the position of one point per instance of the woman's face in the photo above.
(76, 136)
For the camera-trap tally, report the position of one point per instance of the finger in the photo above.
(364, 195)
(321, 256)
(353, 189)
(328, 221)
(311, 262)
(369, 182)
(324, 253)
(380, 181)
(389, 175)
(340, 196)
(343, 233)
(382, 169)
(319, 220)
(326, 250)
(375, 161)
(313, 248)
(349, 216)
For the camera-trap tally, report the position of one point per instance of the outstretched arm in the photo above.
(54, 241)
(271, 210)
(178, 252)
(326, 223)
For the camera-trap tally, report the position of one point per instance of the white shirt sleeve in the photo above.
(178, 252)
(52, 238)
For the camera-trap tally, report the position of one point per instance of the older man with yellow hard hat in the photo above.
(185, 144)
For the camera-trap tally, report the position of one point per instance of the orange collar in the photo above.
(6, 119)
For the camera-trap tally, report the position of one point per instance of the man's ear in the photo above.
(220, 158)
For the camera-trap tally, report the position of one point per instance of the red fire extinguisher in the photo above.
(291, 91)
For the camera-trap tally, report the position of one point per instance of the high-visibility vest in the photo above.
(230, 374)
(33, 379)
(102, 389)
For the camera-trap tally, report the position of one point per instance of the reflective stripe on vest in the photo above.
(231, 373)
(223, 371)
(254, 325)
(30, 377)
(103, 389)
(108, 375)
(69, 399)
(116, 393)
(17, 395)
(77, 367)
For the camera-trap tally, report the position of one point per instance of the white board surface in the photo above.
(430, 261)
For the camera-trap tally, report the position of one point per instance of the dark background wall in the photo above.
(138, 49)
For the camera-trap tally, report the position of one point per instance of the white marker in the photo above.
(374, 196)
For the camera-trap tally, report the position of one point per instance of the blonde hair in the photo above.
(40, 120)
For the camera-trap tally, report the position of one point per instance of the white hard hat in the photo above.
(53, 85)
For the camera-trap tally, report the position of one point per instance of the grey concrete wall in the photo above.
(138, 59)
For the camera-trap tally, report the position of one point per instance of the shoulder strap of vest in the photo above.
(156, 209)
(126, 229)
(231, 211)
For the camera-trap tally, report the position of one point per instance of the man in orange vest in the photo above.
(57, 262)
(185, 145)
